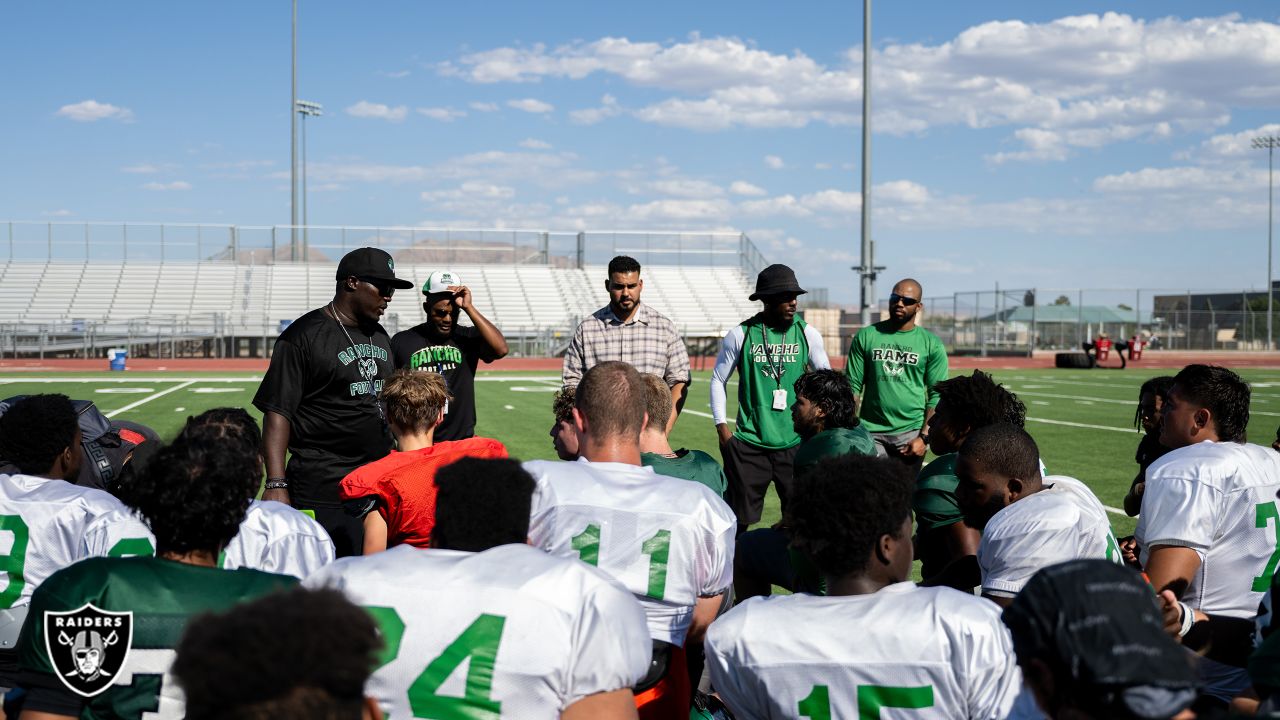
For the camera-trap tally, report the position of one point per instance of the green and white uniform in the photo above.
(1064, 521)
(932, 652)
(278, 538)
(692, 465)
(835, 442)
(894, 373)
(162, 595)
(535, 633)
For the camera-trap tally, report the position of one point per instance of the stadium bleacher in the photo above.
(702, 301)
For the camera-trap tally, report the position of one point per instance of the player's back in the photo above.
(1064, 521)
(669, 541)
(278, 538)
(162, 595)
(1218, 498)
(53, 524)
(943, 653)
(537, 632)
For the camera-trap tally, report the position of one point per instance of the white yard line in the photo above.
(149, 398)
(1116, 511)
(687, 411)
(1082, 425)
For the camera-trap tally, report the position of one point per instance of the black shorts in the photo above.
(749, 470)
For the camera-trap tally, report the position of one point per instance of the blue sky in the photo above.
(1046, 144)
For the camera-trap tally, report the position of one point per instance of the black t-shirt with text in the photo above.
(455, 358)
(327, 386)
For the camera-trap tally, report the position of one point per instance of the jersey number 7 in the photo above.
(479, 642)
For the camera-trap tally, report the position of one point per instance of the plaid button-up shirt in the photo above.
(649, 342)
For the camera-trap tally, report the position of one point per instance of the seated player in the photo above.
(193, 495)
(876, 640)
(1089, 639)
(669, 541)
(965, 403)
(542, 637)
(265, 660)
(46, 522)
(274, 537)
(563, 437)
(399, 487)
(825, 419)
(655, 448)
(1150, 403)
(1028, 522)
(1207, 531)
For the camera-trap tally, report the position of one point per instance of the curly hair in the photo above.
(977, 400)
(624, 264)
(1223, 392)
(1004, 449)
(482, 503)
(414, 399)
(193, 494)
(265, 660)
(830, 391)
(562, 404)
(36, 430)
(235, 431)
(1158, 386)
(843, 506)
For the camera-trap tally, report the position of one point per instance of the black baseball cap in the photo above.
(1098, 626)
(371, 263)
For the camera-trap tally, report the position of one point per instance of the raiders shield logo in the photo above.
(88, 647)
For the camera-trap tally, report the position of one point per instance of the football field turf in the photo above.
(1082, 420)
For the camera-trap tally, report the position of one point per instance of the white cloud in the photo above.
(175, 185)
(484, 106)
(609, 107)
(93, 111)
(682, 187)
(822, 166)
(473, 191)
(773, 162)
(443, 114)
(551, 170)
(1183, 179)
(1093, 79)
(57, 213)
(395, 74)
(147, 168)
(535, 144)
(1231, 146)
(902, 191)
(741, 187)
(531, 105)
(366, 109)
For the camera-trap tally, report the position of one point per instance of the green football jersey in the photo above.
(162, 595)
(833, 443)
(934, 501)
(692, 465)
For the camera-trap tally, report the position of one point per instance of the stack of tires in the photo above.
(1073, 360)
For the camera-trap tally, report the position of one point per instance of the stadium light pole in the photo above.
(867, 269)
(293, 145)
(1270, 142)
(314, 110)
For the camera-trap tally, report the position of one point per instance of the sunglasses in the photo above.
(907, 301)
(384, 287)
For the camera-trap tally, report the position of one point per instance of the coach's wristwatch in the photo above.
(278, 483)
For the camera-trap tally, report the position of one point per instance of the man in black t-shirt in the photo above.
(319, 397)
(441, 345)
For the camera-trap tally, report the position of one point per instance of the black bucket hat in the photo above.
(776, 280)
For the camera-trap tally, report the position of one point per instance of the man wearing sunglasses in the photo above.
(893, 366)
(320, 395)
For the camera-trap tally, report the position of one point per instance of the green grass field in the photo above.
(1082, 420)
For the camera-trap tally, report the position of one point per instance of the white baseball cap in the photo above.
(440, 281)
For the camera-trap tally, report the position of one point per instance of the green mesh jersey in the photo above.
(833, 443)
(163, 595)
(934, 502)
(692, 465)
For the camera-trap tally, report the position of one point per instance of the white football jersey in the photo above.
(669, 541)
(536, 633)
(278, 538)
(1218, 499)
(46, 525)
(1064, 521)
(936, 651)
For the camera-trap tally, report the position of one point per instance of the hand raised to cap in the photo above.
(461, 296)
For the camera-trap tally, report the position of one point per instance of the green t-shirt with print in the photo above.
(692, 465)
(895, 373)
